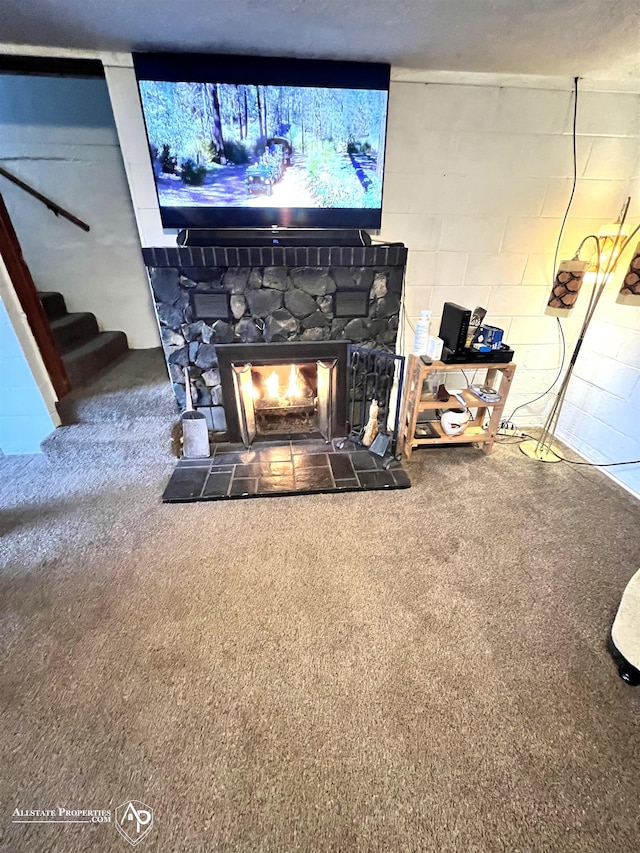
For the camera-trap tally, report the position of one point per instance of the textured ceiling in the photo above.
(596, 39)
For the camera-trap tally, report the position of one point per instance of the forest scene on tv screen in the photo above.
(227, 145)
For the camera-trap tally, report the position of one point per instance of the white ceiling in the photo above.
(593, 39)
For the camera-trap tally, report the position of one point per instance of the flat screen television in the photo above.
(239, 141)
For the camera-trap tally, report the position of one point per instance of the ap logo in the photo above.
(134, 820)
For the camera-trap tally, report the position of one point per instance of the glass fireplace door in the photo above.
(243, 389)
(326, 397)
(278, 399)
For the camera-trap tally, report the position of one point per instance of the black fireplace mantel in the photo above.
(276, 256)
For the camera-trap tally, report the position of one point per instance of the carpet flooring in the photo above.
(414, 670)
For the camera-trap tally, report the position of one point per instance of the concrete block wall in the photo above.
(27, 399)
(58, 134)
(602, 413)
(477, 182)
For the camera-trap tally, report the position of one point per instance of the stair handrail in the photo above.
(51, 205)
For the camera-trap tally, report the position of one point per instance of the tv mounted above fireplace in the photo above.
(246, 142)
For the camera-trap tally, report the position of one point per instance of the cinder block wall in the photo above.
(602, 412)
(477, 182)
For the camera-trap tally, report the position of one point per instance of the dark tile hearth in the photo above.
(292, 467)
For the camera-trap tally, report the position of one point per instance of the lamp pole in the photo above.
(606, 263)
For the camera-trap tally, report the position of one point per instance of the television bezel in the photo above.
(273, 71)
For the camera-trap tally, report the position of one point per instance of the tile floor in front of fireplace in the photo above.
(270, 469)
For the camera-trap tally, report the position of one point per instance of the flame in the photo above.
(275, 391)
(294, 388)
(273, 385)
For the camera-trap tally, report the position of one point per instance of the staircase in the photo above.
(84, 349)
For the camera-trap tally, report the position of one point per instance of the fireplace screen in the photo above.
(284, 398)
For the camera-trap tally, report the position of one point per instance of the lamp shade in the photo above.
(630, 290)
(611, 242)
(566, 287)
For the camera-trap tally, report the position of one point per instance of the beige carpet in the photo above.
(414, 670)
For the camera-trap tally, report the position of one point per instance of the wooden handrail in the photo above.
(53, 207)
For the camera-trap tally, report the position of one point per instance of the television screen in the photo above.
(248, 142)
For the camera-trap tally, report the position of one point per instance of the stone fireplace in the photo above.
(264, 331)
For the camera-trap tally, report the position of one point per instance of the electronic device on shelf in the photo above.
(479, 313)
(485, 393)
(487, 338)
(472, 356)
(454, 331)
(454, 327)
(242, 141)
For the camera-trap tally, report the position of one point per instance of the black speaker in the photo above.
(454, 326)
(286, 237)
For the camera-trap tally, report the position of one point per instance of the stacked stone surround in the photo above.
(276, 294)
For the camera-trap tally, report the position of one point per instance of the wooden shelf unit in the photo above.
(476, 432)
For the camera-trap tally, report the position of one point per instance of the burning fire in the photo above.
(294, 389)
(273, 385)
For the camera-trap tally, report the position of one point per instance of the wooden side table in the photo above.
(476, 432)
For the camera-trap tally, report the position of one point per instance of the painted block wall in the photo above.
(27, 400)
(59, 136)
(477, 181)
(602, 414)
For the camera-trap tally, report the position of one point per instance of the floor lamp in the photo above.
(610, 242)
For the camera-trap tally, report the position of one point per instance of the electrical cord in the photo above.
(544, 393)
(403, 313)
(466, 378)
(557, 250)
(555, 261)
(601, 464)
(592, 464)
(523, 436)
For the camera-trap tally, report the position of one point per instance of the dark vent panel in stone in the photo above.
(210, 306)
(351, 303)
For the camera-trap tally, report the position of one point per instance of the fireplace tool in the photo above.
(372, 376)
(195, 435)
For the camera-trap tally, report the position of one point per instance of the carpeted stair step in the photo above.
(73, 329)
(84, 361)
(134, 387)
(53, 304)
(126, 417)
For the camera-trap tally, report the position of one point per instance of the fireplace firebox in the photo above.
(284, 389)
(284, 397)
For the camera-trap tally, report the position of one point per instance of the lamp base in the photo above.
(542, 453)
